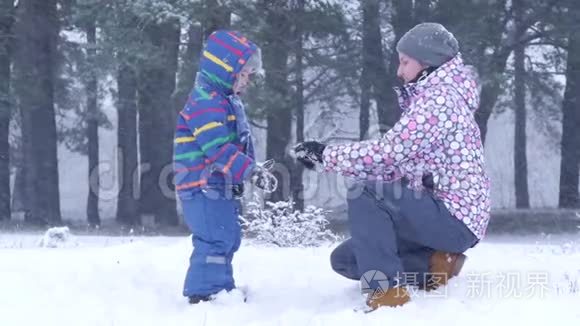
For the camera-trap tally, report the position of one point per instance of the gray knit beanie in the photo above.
(429, 43)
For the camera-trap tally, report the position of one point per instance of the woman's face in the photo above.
(409, 68)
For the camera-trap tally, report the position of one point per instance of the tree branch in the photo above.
(539, 14)
(256, 125)
(555, 43)
(315, 79)
(315, 90)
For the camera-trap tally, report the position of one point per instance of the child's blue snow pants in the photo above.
(212, 217)
(395, 230)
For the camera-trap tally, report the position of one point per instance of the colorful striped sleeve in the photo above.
(209, 130)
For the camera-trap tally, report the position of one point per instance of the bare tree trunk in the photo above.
(6, 12)
(488, 38)
(216, 16)
(401, 22)
(189, 68)
(127, 150)
(156, 81)
(374, 62)
(491, 74)
(421, 10)
(570, 164)
(365, 103)
(275, 51)
(18, 191)
(366, 72)
(520, 143)
(489, 96)
(93, 217)
(298, 169)
(34, 64)
(127, 132)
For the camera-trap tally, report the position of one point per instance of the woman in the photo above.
(425, 193)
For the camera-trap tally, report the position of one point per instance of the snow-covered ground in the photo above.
(137, 281)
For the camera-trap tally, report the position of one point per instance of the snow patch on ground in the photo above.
(57, 237)
(127, 281)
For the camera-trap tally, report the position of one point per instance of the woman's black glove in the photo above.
(309, 153)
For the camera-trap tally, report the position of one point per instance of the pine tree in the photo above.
(156, 84)
(92, 88)
(520, 148)
(570, 147)
(6, 22)
(374, 81)
(34, 63)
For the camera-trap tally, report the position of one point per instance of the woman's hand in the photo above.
(309, 153)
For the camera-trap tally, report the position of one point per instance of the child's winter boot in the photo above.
(195, 299)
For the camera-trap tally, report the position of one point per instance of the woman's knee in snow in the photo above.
(342, 256)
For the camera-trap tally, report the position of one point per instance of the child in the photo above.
(214, 154)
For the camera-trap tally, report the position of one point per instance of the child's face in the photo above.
(242, 82)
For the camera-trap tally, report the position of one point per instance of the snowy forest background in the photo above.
(89, 92)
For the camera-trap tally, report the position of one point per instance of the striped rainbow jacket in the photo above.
(207, 149)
